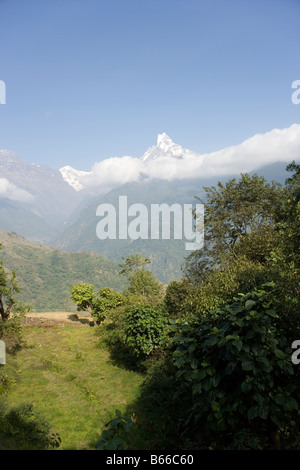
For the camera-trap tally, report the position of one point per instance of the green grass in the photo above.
(68, 378)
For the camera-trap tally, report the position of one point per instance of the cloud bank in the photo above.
(12, 192)
(277, 145)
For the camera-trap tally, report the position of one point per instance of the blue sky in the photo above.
(91, 79)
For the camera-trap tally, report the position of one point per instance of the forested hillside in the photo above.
(45, 274)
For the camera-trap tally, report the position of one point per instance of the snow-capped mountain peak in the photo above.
(8, 156)
(164, 141)
(164, 147)
(73, 177)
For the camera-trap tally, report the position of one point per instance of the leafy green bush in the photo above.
(98, 304)
(177, 296)
(21, 427)
(106, 301)
(144, 284)
(83, 295)
(11, 333)
(235, 365)
(233, 275)
(144, 328)
(114, 437)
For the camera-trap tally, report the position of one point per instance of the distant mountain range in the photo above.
(167, 161)
(163, 149)
(58, 207)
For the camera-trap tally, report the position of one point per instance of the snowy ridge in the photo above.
(73, 177)
(169, 161)
(164, 147)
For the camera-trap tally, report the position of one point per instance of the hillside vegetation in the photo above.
(45, 274)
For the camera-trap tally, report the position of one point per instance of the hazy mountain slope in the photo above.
(167, 255)
(40, 192)
(45, 274)
(16, 217)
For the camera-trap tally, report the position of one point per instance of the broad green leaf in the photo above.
(272, 313)
(247, 365)
(252, 412)
(215, 406)
(194, 363)
(290, 403)
(249, 304)
(238, 344)
(246, 386)
(280, 354)
(229, 368)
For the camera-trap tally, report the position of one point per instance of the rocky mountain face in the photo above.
(164, 147)
(73, 177)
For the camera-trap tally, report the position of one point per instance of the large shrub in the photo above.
(106, 301)
(235, 365)
(178, 296)
(144, 328)
(99, 304)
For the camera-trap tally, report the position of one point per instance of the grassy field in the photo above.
(63, 372)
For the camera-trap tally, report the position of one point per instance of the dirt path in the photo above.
(58, 318)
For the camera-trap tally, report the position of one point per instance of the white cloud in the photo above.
(12, 192)
(114, 171)
(261, 149)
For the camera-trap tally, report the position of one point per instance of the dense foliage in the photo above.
(145, 328)
(235, 364)
(98, 304)
(22, 428)
(227, 380)
(8, 290)
(141, 282)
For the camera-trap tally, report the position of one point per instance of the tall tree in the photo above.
(133, 263)
(231, 212)
(141, 281)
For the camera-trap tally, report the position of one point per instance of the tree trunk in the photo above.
(4, 312)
